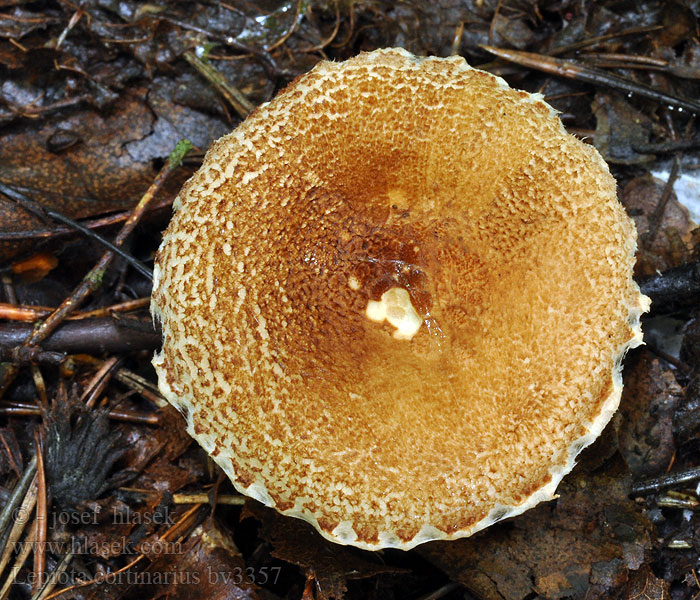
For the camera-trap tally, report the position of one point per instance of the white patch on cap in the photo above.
(395, 306)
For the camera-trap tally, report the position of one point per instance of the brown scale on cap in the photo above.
(395, 300)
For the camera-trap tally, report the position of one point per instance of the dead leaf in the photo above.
(620, 130)
(206, 564)
(36, 267)
(649, 400)
(91, 176)
(584, 545)
(644, 585)
(673, 242)
(295, 541)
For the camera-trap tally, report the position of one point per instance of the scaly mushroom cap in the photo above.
(395, 300)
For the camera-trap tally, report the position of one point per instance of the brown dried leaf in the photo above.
(153, 450)
(584, 545)
(92, 175)
(673, 241)
(649, 400)
(172, 428)
(296, 542)
(644, 585)
(36, 267)
(206, 565)
(620, 130)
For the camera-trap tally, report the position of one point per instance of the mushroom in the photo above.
(395, 300)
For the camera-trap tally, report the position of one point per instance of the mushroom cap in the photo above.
(395, 300)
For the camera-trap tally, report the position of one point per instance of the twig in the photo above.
(457, 39)
(231, 93)
(351, 28)
(573, 70)
(77, 15)
(9, 289)
(41, 516)
(12, 460)
(21, 518)
(672, 288)
(131, 380)
(265, 59)
(75, 337)
(602, 38)
(127, 306)
(625, 61)
(323, 43)
(658, 215)
(289, 31)
(22, 556)
(53, 578)
(13, 312)
(30, 111)
(99, 381)
(492, 25)
(40, 386)
(669, 358)
(17, 496)
(142, 386)
(30, 410)
(182, 524)
(99, 579)
(669, 501)
(656, 484)
(41, 234)
(204, 498)
(43, 212)
(93, 280)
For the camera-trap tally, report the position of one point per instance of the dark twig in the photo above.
(53, 577)
(323, 43)
(17, 497)
(656, 484)
(41, 516)
(178, 529)
(669, 358)
(85, 335)
(290, 30)
(27, 313)
(108, 221)
(43, 212)
(93, 280)
(492, 25)
(31, 111)
(602, 38)
(21, 409)
(573, 70)
(673, 288)
(19, 523)
(658, 215)
(232, 94)
(99, 382)
(265, 59)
